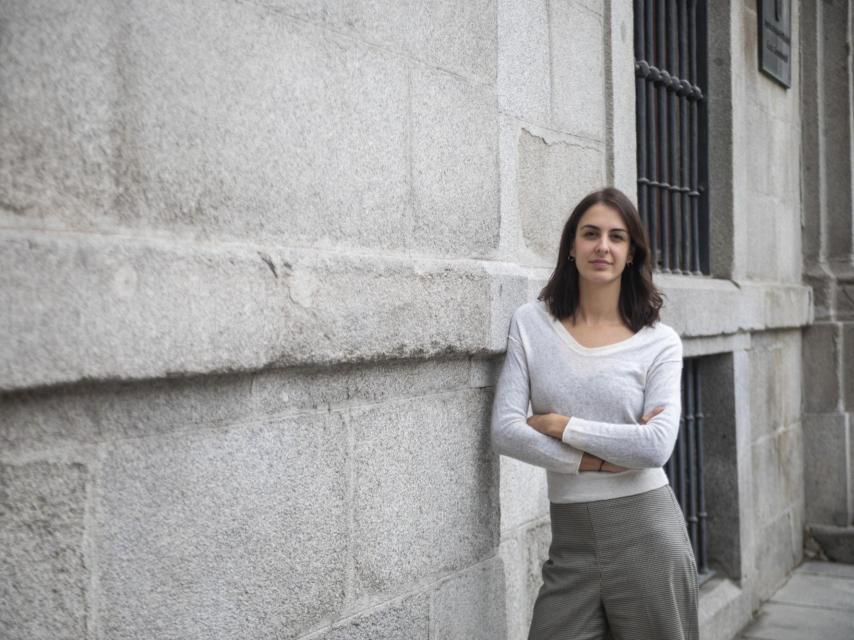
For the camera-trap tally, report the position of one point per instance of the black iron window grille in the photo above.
(670, 81)
(685, 466)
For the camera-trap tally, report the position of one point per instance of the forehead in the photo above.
(603, 216)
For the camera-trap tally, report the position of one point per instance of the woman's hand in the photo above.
(651, 415)
(589, 462)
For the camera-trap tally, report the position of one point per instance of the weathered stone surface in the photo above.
(578, 70)
(522, 552)
(836, 542)
(318, 389)
(524, 65)
(848, 364)
(836, 106)
(512, 552)
(183, 122)
(778, 464)
(422, 467)
(731, 306)
(523, 493)
(722, 609)
(43, 593)
(454, 166)
(470, 604)
(88, 414)
(460, 37)
(553, 174)
(57, 161)
(620, 121)
(775, 387)
(777, 553)
(537, 542)
(400, 620)
(765, 123)
(209, 110)
(239, 531)
(826, 468)
(93, 308)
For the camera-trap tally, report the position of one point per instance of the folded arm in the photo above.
(635, 445)
(511, 434)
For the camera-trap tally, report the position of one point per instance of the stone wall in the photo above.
(258, 264)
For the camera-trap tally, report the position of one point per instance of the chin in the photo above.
(602, 275)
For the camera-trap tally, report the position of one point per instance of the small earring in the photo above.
(571, 258)
(629, 263)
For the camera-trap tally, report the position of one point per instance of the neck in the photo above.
(598, 304)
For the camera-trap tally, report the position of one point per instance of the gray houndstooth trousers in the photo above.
(618, 569)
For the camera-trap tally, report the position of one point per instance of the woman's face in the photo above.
(602, 244)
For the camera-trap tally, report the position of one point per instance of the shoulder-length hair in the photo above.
(640, 301)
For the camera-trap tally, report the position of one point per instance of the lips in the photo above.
(599, 262)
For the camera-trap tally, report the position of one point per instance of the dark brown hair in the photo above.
(640, 301)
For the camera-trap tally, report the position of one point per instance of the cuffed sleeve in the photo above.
(636, 445)
(510, 432)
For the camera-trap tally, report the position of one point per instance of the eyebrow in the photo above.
(593, 226)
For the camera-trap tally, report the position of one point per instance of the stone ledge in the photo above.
(723, 609)
(837, 543)
(79, 307)
(729, 306)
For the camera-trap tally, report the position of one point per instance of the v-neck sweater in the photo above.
(605, 390)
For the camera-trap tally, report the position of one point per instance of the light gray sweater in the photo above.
(606, 391)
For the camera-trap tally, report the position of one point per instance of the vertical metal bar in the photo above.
(640, 106)
(693, 475)
(652, 161)
(702, 547)
(695, 193)
(703, 249)
(685, 266)
(679, 484)
(664, 175)
(683, 450)
(673, 28)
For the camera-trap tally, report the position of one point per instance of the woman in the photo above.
(602, 375)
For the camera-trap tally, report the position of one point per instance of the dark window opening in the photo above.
(671, 102)
(685, 467)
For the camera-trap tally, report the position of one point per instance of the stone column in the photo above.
(828, 236)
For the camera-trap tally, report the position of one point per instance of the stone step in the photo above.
(836, 543)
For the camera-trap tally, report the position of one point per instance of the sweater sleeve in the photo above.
(511, 434)
(636, 445)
